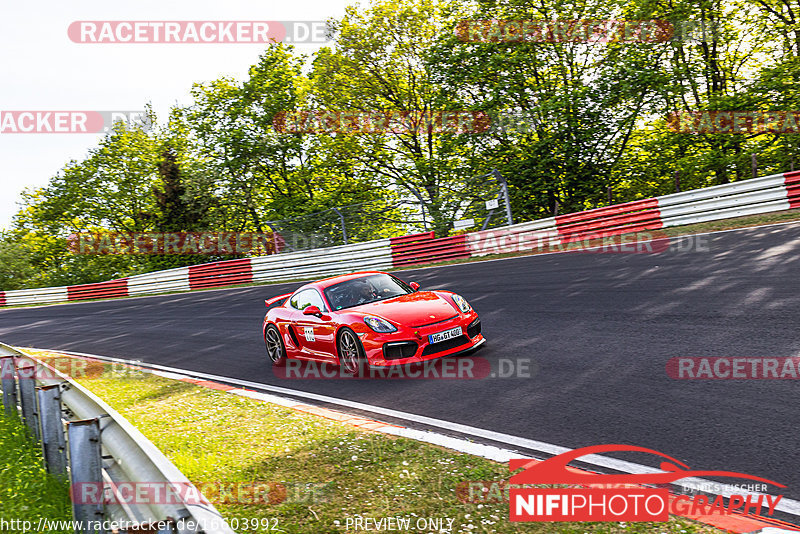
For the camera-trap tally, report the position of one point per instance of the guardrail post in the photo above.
(53, 444)
(9, 382)
(86, 475)
(499, 177)
(344, 229)
(26, 372)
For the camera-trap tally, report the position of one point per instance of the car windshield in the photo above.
(364, 290)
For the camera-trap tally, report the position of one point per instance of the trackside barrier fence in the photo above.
(375, 255)
(425, 248)
(86, 440)
(766, 194)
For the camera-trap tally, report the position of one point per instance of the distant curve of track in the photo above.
(599, 327)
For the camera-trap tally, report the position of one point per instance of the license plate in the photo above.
(444, 336)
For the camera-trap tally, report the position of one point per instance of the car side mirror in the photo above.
(414, 286)
(312, 310)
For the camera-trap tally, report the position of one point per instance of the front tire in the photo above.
(352, 358)
(276, 350)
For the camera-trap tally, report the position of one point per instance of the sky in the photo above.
(44, 70)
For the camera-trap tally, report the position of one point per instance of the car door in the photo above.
(315, 334)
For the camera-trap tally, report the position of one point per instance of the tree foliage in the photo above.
(571, 121)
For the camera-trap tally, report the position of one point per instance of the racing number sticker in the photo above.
(308, 331)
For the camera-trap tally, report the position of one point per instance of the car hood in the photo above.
(413, 310)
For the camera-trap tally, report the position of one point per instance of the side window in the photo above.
(306, 298)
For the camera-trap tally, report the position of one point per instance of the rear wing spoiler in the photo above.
(275, 300)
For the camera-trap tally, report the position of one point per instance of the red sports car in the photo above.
(370, 318)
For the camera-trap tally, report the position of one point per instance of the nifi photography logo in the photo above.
(624, 497)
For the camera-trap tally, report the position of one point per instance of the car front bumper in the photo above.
(411, 345)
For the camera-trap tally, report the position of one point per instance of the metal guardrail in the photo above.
(517, 238)
(87, 441)
(41, 295)
(323, 262)
(159, 282)
(426, 248)
(748, 197)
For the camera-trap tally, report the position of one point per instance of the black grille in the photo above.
(445, 345)
(399, 350)
(474, 328)
(293, 336)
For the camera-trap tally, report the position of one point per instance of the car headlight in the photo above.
(379, 325)
(462, 303)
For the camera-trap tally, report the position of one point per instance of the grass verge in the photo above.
(27, 491)
(330, 471)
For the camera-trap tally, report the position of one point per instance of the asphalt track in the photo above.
(599, 328)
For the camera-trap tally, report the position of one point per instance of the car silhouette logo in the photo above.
(556, 471)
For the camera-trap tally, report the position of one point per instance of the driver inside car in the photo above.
(364, 293)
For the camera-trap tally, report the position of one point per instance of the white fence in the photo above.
(749, 197)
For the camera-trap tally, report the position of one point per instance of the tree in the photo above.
(570, 107)
(263, 175)
(380, 65)
(16, 267)
(176, 211)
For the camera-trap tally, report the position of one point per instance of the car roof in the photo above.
(333, 280)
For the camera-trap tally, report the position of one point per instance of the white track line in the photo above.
(788, 506)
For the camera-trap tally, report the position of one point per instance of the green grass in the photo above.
(330, 470)
(27, 491)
